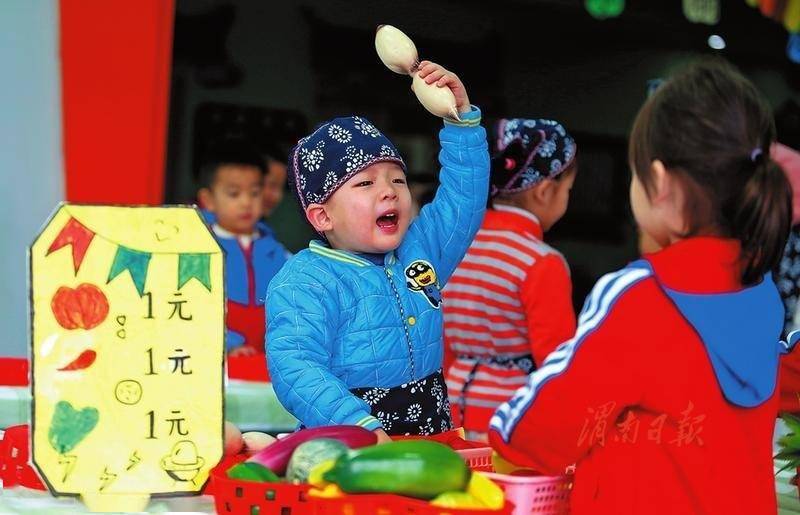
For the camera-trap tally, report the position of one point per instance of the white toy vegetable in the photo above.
(255, 441)
(399, 54)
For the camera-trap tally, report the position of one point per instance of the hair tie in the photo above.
(755, 154)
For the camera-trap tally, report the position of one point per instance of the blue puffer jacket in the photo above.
(337, 321)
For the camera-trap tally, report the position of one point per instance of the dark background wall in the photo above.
(275, 69)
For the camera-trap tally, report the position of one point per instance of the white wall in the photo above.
(31, 166)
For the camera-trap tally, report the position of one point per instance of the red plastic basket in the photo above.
(386, 504)
(479, 458)
(543, 495)
(14, 455)
(438, 437)
(236, 497)
(477, 454)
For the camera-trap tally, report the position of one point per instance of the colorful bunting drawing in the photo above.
(76, 235)
(194, 266)
(133, 262)
(127, 329)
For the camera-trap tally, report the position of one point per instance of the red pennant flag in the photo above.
(75, 234)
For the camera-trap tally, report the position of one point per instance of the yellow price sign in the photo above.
(127, 308)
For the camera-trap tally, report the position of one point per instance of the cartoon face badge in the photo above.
(421, 277)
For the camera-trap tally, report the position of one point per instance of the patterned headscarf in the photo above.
(332, 154)
(528, 152)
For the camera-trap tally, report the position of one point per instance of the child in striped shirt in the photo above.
(509, 302)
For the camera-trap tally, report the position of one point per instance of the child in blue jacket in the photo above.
(232, 181)
(354, 322)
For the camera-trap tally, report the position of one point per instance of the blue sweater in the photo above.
(335, 321)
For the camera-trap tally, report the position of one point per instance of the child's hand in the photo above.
(244, 350)
(382, 436)
(432, 72)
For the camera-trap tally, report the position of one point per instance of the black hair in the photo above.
(229, 152)
(713, 130)
(274, 152)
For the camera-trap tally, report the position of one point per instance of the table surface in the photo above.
(35, 502)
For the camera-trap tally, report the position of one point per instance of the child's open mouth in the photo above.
(387, 222)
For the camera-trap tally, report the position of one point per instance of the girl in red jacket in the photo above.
(509, 302)
(665, 398)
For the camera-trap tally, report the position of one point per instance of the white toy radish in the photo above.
(399, 54)
(255, 441)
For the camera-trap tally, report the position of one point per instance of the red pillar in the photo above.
(115, 75)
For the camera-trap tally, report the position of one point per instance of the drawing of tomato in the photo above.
(84, 307)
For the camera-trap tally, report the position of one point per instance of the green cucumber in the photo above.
(416, 468)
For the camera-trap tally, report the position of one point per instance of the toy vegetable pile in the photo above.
(294, 455)
(340, 460)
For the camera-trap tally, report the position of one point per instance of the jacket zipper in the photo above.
(402, 320)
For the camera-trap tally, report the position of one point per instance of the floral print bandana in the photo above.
(337, 150)
(528, 152)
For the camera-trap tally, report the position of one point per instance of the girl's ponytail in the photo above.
(762, 219)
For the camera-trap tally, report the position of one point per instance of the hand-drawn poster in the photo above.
(127, 320)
